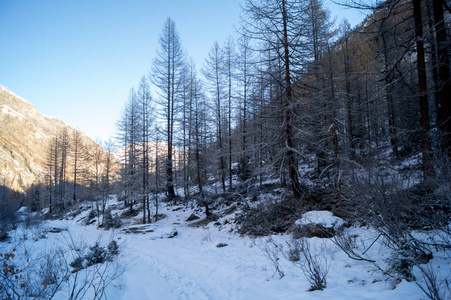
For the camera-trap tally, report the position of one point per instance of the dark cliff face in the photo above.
(25, 136)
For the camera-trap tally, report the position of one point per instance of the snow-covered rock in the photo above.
(154, 231)
(317, 223)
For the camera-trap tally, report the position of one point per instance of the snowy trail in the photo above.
(184, 275)
(181, 285)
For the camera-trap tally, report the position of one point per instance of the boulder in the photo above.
(192, 218)
(56, 230)
(153, 231)
(322, 224)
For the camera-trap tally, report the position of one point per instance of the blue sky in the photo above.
(77, 60)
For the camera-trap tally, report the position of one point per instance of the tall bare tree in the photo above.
(279, 25)
(244, 77)
(228, 69)
(166, 72)
(146, 120)
(129, 136)
(422, 89)
(215, 80)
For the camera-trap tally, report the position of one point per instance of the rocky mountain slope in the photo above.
(25, 135)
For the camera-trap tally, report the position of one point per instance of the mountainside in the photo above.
(25, 136)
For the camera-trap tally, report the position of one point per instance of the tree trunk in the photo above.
(422, 91)
(291, 159)
(443, 74)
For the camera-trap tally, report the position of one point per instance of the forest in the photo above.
(295, 98)
(293, 113)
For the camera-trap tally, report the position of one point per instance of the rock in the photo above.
(192, 218)
(313, 230)
(220, 245)
(322, 224)
(172, 234)
(141, 229)
(153, 231)
(56, 230)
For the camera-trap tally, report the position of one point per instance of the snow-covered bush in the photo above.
(313, 261)
(434, 288)
(272, 251)
(293, 253)
(26, 276)
(96, 255)
(28, 273)
(348, 244)
(89, 218)
(38, 234)
(93, 270)
(402, 263)
(77, 264)
(113, 250)
(110, 220)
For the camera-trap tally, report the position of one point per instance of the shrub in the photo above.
(4, 234)
(313, 263)
(268, 218)
(36, 278)
(77, 264)
(96, 255)
(92, 214)
(110, 220)
(271, 250)
(113, 249)
(293, 253)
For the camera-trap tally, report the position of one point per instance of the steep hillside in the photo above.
(25, 136)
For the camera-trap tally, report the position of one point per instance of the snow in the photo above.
(191, 266)
(22, 209)
(8, 110)
(323, 217)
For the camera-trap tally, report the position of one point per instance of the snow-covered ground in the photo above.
(160, 264)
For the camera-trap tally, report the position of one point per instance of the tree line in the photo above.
(75, 171)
